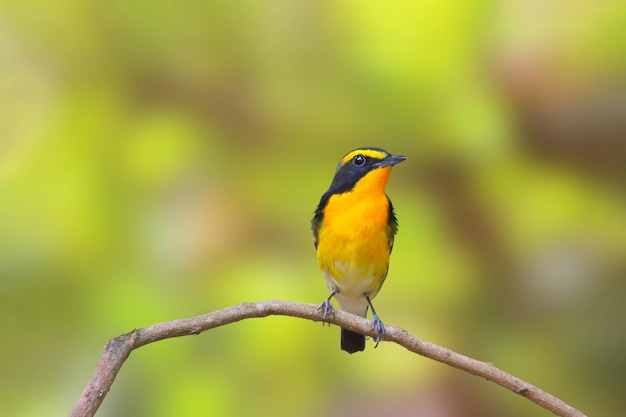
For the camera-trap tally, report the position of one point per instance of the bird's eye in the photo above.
(358, 160)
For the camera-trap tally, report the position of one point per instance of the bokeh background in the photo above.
(163, 159)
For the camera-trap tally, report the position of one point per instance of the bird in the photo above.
(353, 230)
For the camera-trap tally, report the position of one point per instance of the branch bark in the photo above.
(118, 349)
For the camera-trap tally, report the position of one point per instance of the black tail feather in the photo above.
(352, 342)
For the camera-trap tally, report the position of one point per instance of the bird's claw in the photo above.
(379, 328)
(326, 308)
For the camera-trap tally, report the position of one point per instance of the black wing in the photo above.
(392, 225)
(318, 217)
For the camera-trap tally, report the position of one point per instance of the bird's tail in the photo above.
(352, 342)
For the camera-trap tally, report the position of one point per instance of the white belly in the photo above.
(352, 287)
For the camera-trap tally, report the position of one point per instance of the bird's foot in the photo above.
(379, 328)
(326, 308)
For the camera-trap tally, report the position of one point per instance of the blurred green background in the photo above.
(163, 159)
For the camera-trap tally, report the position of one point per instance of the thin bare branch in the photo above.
(118, 349)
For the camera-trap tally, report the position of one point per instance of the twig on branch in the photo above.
(118, 349)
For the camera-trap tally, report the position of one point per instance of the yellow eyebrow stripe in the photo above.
(370, 153)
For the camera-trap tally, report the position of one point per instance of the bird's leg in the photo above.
(326, 307)
(379, 327)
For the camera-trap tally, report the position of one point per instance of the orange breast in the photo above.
(353, 238)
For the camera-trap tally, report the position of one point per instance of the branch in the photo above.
(118, 349)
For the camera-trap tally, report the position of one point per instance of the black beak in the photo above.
(391, 160)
